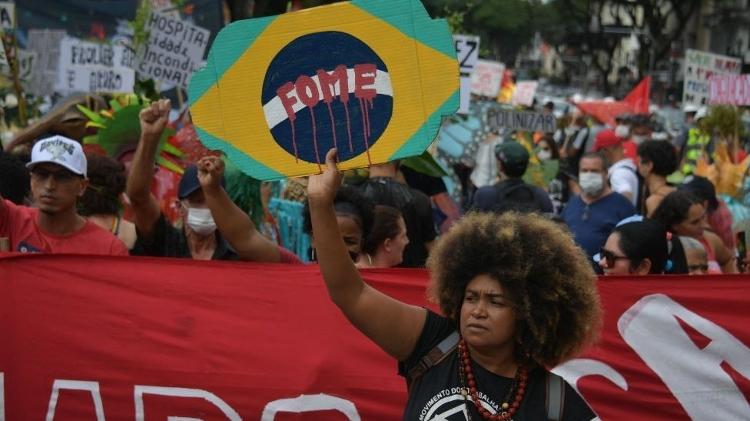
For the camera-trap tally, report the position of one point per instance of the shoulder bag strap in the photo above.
(432, 358)
(555, 397)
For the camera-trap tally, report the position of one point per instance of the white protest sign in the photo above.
(521, 120)
(175, 48)
(524, 93)
(26, 60)
(7, 15)
(91, 67)
(730, 89)
(486, 78)
(46, 44)
(3, 58)
(467, 52)
(699, 66)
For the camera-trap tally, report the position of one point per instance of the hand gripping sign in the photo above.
(371, 78)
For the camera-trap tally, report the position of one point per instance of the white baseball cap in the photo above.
(61, 151)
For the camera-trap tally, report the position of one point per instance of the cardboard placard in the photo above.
(486, 78)
(7, 15)
(524, 93)
(467, 52)
(174, 50)
(3, 57)
(730, 89)
(521, 120)
(26, 60)
(46, 44)
(699, 66)
(92, 67)
(371, 78)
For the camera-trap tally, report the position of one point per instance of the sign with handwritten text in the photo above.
(312, 80)
(699, 66)
(93, 67)
(174, 50)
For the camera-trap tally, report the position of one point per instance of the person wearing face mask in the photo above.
(623, 174)
(641, 130)
(593, 214)
(213, 227)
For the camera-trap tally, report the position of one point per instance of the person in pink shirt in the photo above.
(58, 179)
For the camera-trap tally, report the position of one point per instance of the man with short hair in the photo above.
(511, 193)
(213, 228)
(58, 179)
(623, 176)
(593, 214)
(383, 188)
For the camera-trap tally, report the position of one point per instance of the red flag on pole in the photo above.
(635, 102)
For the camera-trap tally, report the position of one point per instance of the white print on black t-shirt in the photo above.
(450, 405)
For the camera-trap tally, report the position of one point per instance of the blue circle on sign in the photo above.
(305, 106)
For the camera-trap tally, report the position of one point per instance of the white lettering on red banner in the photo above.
(248, 348)
(86, 386)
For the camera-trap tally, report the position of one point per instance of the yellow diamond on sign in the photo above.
(372, 78)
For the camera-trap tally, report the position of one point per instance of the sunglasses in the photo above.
(60, 175)
(610, 258)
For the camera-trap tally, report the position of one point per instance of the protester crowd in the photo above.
(629, 198)
(620, 201)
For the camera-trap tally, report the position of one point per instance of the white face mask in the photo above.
(622, 131)
(201, 221)
(544, 155)
(639, 138)
(591, 183)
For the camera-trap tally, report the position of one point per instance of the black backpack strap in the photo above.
(432, 358)
(555, 400)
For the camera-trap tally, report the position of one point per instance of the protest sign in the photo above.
(467, 52)
(92, 67)
(7, 15)
(26, 62)
(730, 89)
(521, 120)
(371, 78)
(3, 57)
(46, 44)
(524, 93)
(84, 339)
(486, 78)
(699, 66)
(174, 49)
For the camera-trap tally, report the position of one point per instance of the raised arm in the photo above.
(145, 205)
(233, 224)
(393, 325)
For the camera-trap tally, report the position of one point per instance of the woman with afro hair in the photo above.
(516, 294)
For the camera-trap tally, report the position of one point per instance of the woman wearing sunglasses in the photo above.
(635, 248)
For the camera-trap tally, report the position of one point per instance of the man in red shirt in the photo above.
(58, 179)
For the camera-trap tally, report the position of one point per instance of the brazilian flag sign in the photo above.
(370, 77)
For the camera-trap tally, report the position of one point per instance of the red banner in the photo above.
(89, 338)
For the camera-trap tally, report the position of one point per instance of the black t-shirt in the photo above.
(436, 395)
(168, 241)
(416, 208)
(512, 194)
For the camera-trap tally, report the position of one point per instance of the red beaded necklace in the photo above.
(508, 409)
